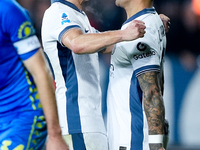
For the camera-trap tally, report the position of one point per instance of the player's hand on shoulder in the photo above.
(136, 29)
(56, 143)
(166, 22)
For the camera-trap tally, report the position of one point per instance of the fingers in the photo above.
(166, 25)
(166, 22)
(142, 32)
(139, 23)
(141, 27)
(162, 16)
(135, 29)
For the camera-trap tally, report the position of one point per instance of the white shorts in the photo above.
(86, 141)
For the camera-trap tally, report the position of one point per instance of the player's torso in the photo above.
(76, 76)
(126, 59)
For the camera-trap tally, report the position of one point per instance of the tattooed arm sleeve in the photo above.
(153, 104)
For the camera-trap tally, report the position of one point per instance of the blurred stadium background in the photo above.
(182, 65)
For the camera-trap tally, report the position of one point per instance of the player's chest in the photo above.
(119, 57)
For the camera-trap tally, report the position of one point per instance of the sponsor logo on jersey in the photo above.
(25, 30)
(64, 19)
(141, 46)
(144, 55)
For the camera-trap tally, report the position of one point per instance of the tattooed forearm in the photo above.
(153, 102)
(155, 146)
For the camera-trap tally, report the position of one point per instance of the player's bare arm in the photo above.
(166, 23)
(81, 43)
(44, 83)
(153, 105)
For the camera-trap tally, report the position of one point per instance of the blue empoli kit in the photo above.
(17, 90)
(18, 94)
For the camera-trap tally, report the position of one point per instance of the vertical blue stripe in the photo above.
(78, 142)
(137, 135)
(137, 124)
(69, 74)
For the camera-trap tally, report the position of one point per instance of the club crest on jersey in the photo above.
(64, 19)
(25, 30)
(141, 46)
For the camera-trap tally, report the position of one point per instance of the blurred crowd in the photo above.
(36, 9)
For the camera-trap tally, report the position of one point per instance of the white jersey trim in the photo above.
(145, 69)
(65, 30)
(27, 45)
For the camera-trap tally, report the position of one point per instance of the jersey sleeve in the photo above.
(145, 54)
(18, 26)
(67, 22)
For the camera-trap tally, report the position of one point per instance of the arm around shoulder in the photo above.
(81, 43)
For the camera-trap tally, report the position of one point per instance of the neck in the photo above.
(77, 3)
(135, 6)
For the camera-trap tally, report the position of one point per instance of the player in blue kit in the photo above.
(25, 86)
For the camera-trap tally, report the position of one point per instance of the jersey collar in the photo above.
(68, 4)
(140, 13)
